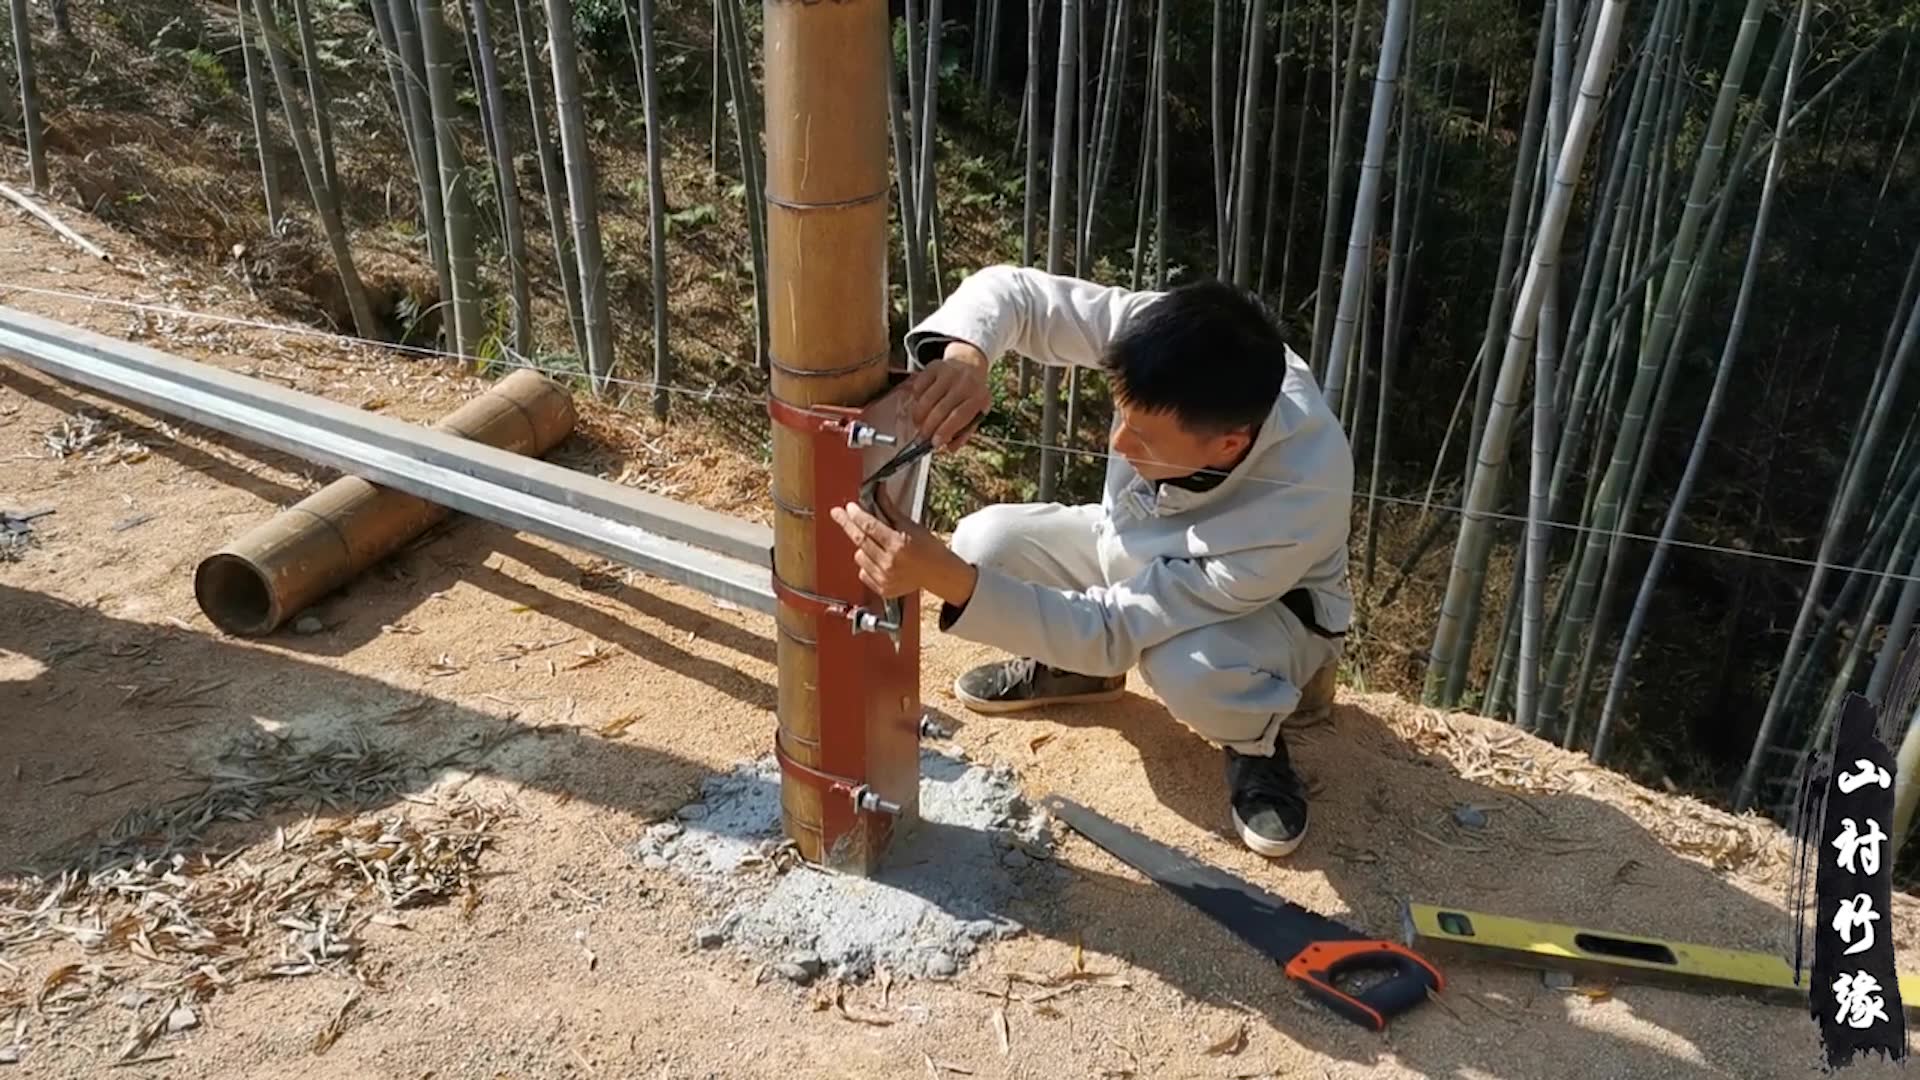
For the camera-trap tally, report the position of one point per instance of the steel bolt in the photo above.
(861, 435)
(869, 802)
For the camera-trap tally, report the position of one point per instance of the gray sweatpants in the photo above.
(1234, 682)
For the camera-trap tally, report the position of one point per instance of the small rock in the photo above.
(709, 937)
(665, 831)
(9, 1055)
(308, 625)
(941, 966)
(807, 962)
(1014, 859)
(1557, 980)
(693, 812)
(1470, 817)
(182, 1019)
(793, 973)
(654, 862)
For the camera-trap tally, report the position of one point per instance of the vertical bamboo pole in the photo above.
(827, 206)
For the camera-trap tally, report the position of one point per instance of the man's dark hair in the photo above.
(1207, 352)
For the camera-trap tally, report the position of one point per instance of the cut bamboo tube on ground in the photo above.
(256, 583)
(826, 201)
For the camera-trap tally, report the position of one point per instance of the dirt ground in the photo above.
(483, 684)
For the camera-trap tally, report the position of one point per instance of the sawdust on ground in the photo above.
(489, 721)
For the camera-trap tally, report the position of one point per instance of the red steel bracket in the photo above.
(866, 766)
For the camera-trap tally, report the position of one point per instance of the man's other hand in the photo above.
(899, 561)
(949, 394)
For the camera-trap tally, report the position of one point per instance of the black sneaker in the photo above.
(1016, 685)
(1269, 801)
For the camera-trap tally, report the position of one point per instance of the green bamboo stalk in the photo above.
(1470, 552)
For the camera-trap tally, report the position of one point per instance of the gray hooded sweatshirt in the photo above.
(1175, 558)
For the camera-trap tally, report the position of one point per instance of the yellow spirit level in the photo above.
(1452, 933)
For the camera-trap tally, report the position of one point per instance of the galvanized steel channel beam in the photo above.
(720, 555)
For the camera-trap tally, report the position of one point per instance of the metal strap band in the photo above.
(826, 373)
(841, 204)
(799, 417)
(783, 505)
(823, 605)
(781, 628)
(791, 766)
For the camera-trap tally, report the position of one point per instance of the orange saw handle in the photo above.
(1409, 978)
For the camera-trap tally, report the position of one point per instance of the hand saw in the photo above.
(1314, 950)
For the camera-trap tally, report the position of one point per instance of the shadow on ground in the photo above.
(65, 715)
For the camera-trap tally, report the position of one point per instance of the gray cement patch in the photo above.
(945, 890)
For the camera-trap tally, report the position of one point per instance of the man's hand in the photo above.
(949, 394)
(899, 561)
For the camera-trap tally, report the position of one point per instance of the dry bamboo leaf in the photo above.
(886, 988)
(408, 712)
(1097, 978)
(1231, 1043)
(55, 979)
(1038, 741)
(1481, 1000)
(444, 666)
(1596, 993)
(856, 1014)
(400, 628)
(935, 1068)
(1000, 1029)
(1444, 1006)
(597, 653)
(337, 1026)
(143, 1033)
(612, 728)
(1472, 849)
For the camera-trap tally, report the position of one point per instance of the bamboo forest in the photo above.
(1619, 303)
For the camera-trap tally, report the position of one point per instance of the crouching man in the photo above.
(1216, 560)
